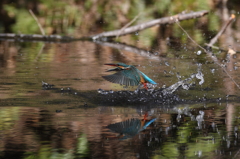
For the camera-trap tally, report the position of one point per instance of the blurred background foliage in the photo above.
(84, 18)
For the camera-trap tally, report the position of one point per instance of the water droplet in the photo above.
(166, 63)
(179, 76)
(213, 125)
(235, 128)
(100, 91)
(199, 153)
(213, 70)
(199, 52)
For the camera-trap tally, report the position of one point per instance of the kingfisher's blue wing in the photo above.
(149, 80)
(129, 77)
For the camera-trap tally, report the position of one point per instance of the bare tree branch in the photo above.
(37, 37)
(236, 154)
(224, 27)
(39, 25)
(136, 28)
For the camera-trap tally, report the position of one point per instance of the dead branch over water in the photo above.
(36, 37)
(139, 27)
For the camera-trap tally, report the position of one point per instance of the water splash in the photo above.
(166, 63)
(139, 96)
(46, 86)
(200, 119)
(200, 75)
(101, 91)
(179, 116)
(186, 111)
(186, 84)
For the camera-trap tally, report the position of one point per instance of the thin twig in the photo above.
(224, 27)
(39, 25)
(128, 24)
(214, 58)
(214, 47)
(177, 22)
(139, 27)
(236, 154)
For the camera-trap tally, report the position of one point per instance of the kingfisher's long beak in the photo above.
(114, 69)
(118, 68)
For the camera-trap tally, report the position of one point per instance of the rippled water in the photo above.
(71, 118)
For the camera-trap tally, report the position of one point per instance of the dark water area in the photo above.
(69, 116)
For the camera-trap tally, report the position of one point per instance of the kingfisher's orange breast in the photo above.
(142, 80)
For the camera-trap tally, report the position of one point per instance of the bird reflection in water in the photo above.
(129, 128)
(128, 75)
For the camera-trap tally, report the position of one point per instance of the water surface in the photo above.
(68, 120)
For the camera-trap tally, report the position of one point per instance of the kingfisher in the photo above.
(129, 128)
(128, 75)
